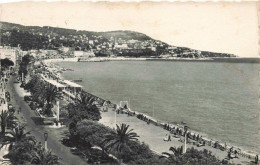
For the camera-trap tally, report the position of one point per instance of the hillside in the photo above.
(126, 35)
(128, 43)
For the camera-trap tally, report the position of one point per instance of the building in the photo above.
(67, 51)
(11, 53)
(84, 54)
(153, 48)
(91, 42)
(123, 46)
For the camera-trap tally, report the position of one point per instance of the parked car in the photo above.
(33, 105)
(27, 98)
(7, 94)
(48, 122)
(22, 85)
(11, 108)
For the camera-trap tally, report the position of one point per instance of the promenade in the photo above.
(3, 107)
(29, 117)
(154, 136)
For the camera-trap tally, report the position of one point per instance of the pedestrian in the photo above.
(169, 137)
(256, 159)
(235, 152)
(40, 144)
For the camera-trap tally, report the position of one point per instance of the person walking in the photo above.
(169, 137)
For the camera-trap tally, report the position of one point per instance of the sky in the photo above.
(228, 27)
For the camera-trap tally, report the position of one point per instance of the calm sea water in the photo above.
(218, 99)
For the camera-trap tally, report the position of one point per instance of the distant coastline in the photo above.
(225, 60)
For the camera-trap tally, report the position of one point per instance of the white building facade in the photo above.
(11, 53)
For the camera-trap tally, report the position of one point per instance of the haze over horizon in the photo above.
(217, 27)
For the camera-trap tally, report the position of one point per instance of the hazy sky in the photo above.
(221, 27)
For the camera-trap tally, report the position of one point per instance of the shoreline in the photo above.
(158, 122)
(171, 59)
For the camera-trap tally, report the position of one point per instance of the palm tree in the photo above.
(39, 91)
(16, 135)
(85, 99)
(21, 152)
(50, 95)
(3, 117)
(120, 138)
(38, 88)
(6, 121)
(175, 157)
(44, 157)
(83, 108)
(78, 112)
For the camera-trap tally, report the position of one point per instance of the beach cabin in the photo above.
(56, 84)
(71, 88)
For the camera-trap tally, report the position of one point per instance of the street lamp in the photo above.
(45, 140)
(185, 138)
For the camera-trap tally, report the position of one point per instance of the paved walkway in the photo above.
(154, 135)
(3, 107)
(29, 117)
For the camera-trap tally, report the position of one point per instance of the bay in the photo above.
(220, 100)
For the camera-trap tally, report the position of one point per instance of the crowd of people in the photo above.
(178, 131)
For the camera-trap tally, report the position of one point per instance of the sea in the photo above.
(217, 99)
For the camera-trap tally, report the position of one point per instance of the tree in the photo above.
(83, 98)
(78, 112)
(191, 157)
(44, 157)
(50, 95)
(16, 135)
(6, 121)
(38, 92)
(175, 157)
(36, 86)
(21, 152)
(23, 68)
(120, 138)
(83, 108)
(139, 153)
(3, 116)
(5, 63)
(92, 132)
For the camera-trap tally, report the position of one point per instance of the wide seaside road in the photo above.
(28, 117)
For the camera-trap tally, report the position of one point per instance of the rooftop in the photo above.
(72, 84)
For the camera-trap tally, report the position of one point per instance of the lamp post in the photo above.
(22, 76)
(58, 111)
(115, 118)
(185, 137)
(45, 140)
